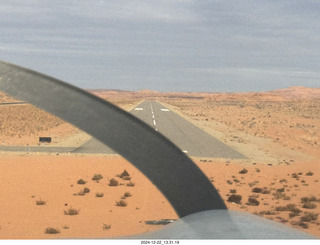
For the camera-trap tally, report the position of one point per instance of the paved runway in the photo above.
(189, 138)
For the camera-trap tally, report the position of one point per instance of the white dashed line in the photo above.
(138, 109)
(153, 119)
(185, 151)
(164, 110)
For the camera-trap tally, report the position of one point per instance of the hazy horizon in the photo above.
(169, 45)
(122, 90)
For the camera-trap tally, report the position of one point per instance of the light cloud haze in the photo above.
(168, 45)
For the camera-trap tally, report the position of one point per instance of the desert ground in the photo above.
(278, 131)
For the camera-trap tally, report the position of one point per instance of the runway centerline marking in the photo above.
(153, 119)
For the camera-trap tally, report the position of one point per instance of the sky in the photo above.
(166, 45)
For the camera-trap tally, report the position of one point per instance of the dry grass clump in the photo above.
(243, 171)
(51, 230)
(121, 203)
(235, 198)
(289, 207)
(131, 184)
(308, 199)
(106, 227)
(280, 190)
(99, 194)
(127, 194)
(308, 217)
(113, 182)
(294, 211)
(300, 223)
(308, 202)
(268, 212)
(71, 211)
(278, 195)
(97, 177)
(124, 174)
(40, 202)
(257, 190)
(83, 192)
(309, 205)
(253, 201)
(81, 182)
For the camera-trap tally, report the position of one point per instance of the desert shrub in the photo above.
(280, 190)
(235, 198)
(258, 170)
(308, 199)
(294, 211)
(229, 182)
(40, 202)
(283, 180)
(65, 227)
(300, 223)
(253, 201)
(309, 205)
(287, 198)
(99, 194)
(113, 182)
(268, 212)
(106, 227)
(124, 174)
(307, 217)
(309, 173)
(293, 214)
(265, 191)
(233, 191)
(257, 190)
(294, 175)
(81, 182)
(51, 230)
(97, 177)
(127, 194)
(86, 190)
(121, 203)
(243, 171)
(80, 193)
(130, 184)
(71, 211)
(278, 195)
(281, 208)
(236, 181)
